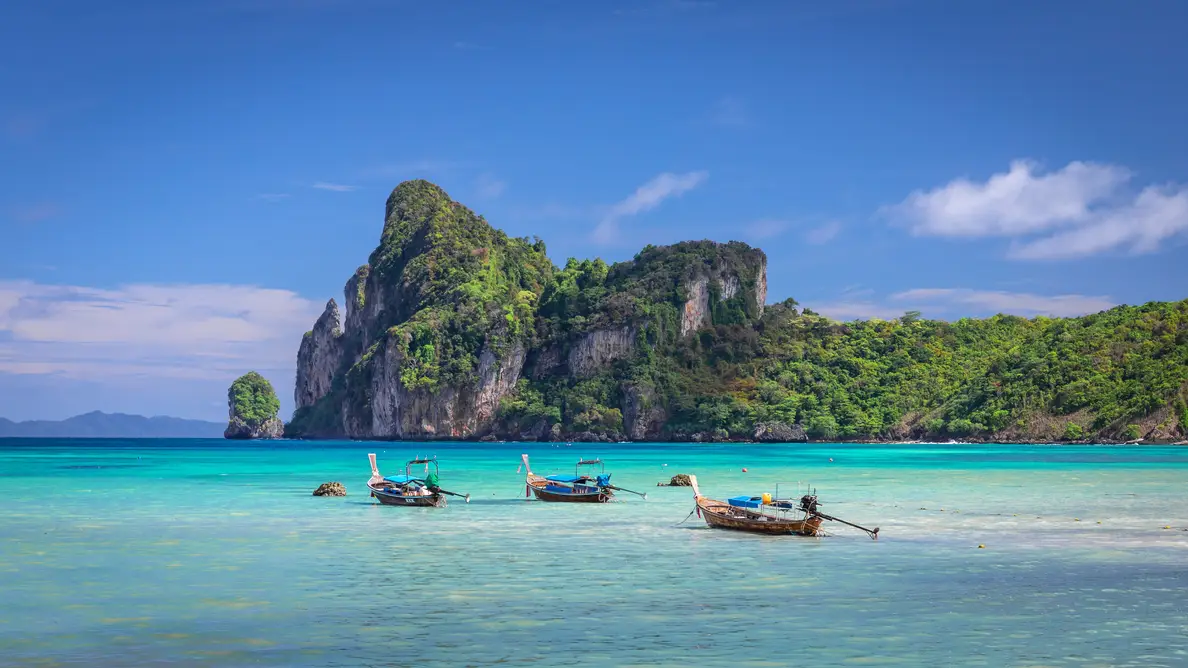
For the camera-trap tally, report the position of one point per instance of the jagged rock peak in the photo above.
(318, 357)
(330, 318)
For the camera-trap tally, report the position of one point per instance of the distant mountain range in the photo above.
(112, 425)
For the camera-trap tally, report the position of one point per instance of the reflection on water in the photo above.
(211, 553)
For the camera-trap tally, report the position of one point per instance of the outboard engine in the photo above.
(602, 480)
(808, 503)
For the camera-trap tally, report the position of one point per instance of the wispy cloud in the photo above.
(769, 228)
(1000, 301)
(823, 234)
(730, 112)
(335, 187)
(1080, 210)
(36, 213)
(949, 303)
(489, 187)
(173, 331)
(272, 197)
(645, 198)
(856, 310)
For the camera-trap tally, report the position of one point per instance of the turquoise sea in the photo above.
(196, 553)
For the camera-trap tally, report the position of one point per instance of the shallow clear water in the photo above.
(215, 553)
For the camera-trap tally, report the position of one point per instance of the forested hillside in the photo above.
(454, 330)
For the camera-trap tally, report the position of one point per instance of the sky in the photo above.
(185, 184)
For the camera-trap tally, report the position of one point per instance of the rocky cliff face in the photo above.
(318, 358)
(720, 283)
(238, 429)
(458, 411)
(435, 330)
(598, 349)
(643, 414)
(439, 324)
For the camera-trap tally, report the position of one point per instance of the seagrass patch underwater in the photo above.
(191, 552)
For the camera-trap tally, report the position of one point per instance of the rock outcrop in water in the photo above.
(678, 480)
(330, 489)
(252, 408)
(453, 330)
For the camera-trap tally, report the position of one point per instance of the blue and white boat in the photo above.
(408, 490)
(589, 487)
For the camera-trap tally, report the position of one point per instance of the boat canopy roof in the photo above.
(745, 501)
(399, 479)
(565, 478)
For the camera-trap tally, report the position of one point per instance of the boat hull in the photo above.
(722, 515)
(389, 499)
(542, 494)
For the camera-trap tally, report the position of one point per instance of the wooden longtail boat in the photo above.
(763, 514)
(577, 488)
(407, 490)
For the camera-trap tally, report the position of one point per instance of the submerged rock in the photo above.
(330, 489)
(678, 480)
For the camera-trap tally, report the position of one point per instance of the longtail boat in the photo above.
(408, 490)
(577, 488)
(767, 515)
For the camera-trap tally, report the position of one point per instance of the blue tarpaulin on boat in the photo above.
(398, 479)
(745, 501)
(564, 478)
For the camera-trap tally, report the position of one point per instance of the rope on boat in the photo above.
(686, 518)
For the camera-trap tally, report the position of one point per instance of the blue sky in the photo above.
(186, 183)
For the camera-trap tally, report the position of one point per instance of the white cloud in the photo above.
(1082, 209)
(823, 234)
(489, 187)
(1157, 214)
(171, 331)
(645, 198)
(963, 302)
(335, 187)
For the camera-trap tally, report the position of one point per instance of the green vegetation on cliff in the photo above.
(252, 400)
(676, 343)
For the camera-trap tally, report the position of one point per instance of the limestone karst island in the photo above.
(453, 330)
(252, 408)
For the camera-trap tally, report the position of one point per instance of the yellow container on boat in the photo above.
(766, 499)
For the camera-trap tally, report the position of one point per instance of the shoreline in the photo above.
(5, 439)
